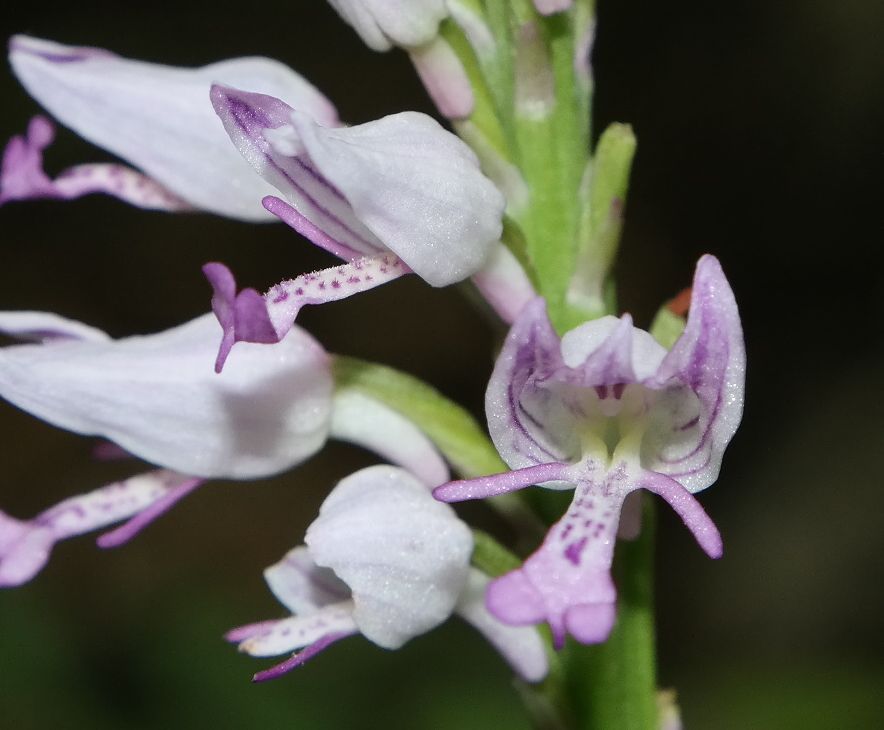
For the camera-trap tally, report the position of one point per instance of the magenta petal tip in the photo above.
(243, 317)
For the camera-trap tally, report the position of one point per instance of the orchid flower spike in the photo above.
(387, 561)
(158, 118)
(606, 410)
(392, 196)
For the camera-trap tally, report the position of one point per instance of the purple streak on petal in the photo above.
(708, 361)
(22, 176)
(491, 486)
(130, 529)
(71, 55)
(292, 218)
(688, 508)
(243, 317)
(245, 116)
(530, 354)
(300, 658)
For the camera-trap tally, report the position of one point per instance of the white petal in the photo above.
(369, 423)
(383, 23)
(301, 585)
(158, 397)
(583, 341)
(404, 555)
(159, 118)
(521, 646)
(416, 186)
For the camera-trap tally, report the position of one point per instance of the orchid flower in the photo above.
(606, 410)
(156, 397)
(392, 196)
(156, 117)
(387, 561)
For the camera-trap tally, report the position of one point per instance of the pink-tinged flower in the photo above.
(158, 118)
(383, 24)
(606, 410)
(157, 398)
(392, 196)
(386, 560)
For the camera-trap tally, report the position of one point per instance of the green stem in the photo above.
(613, 685)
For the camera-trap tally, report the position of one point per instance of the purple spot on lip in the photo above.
(281, 297)
(573, 551)
(601, 391)
(618, 389)
(336, 284)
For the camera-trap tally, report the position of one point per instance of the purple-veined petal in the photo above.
(25, 545)
(701, 384)
(521, 646)
(301, 585)
(371, 424)
(416, 186)
(384, 23)
(404, 555)
(401, 183)
(157, 397)
(524, 437)
(271, 638)
(610, 351)
(248, 317)
(47, 327)
(259, 126)
(159, 118)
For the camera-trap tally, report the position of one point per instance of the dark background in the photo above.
(759, 127)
